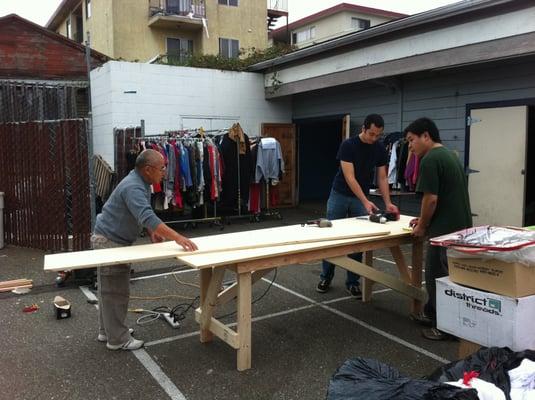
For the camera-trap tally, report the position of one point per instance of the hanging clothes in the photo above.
(269, 162)
(237, 168)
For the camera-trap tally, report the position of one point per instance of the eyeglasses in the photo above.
(162, 168)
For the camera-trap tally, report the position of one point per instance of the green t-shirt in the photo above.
(441, 174)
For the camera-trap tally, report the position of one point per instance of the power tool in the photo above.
(322, 223)
(381, 217)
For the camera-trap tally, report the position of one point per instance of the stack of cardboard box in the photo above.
(488, 302)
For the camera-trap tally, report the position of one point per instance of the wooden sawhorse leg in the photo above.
(244, 320)
(206, 277)
(366, 283)
(416, 273)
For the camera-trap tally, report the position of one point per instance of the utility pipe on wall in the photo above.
(1, 220)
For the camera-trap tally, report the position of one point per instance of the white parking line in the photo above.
(163, 380)
(364, 325)
(160, 377)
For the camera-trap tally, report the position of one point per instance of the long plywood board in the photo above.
(232, 256)
(281, 236)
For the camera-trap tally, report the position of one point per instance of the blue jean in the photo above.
(342, 206)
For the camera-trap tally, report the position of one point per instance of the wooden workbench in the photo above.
(251, 265)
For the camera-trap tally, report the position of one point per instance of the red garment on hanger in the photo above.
(254, 197)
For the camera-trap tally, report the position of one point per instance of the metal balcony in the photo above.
(277, 5)
(182, 14)
(275, 10)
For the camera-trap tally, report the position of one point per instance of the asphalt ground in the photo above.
(299, 337)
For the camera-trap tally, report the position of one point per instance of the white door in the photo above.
(498, 152)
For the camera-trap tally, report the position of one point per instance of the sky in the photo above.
(39, 11)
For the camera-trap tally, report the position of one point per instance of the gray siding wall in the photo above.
(440, 95)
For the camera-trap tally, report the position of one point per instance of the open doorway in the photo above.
(318, 143)
(500, 154)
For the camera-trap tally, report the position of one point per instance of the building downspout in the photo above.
(1, 220)
(400, 88)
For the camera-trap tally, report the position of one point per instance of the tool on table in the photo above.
(322, 223)
(381, 217)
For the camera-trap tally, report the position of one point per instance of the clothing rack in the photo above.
(268, 211)
(252, 217)
(212, 220)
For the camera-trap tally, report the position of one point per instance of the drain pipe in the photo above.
(1, 220)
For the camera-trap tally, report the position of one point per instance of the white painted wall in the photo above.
(491, 28)
(171, 98)
(336, 25)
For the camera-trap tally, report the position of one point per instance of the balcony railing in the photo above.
(185, 8)
(277, 5)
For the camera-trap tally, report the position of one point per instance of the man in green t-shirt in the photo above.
(445, 208)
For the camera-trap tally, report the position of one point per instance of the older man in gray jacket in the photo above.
(124, 215)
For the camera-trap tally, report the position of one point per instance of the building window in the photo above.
(179, 50)
(88, 8)
(229, 48)
(229, 2)
(359, 23)
(68, 28)
(304, 35)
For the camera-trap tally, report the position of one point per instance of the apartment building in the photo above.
(142, 30)
(332, 22)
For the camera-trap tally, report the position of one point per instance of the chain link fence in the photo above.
(44, 173)
(39, 101)
(44, 168)
(126, 149)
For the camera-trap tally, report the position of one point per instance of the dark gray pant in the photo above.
(436, 266)
(113, 296)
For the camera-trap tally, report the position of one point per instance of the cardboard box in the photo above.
(484, 318)
(509, 279)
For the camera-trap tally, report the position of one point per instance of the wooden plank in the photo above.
(379, 277)
(244, 321)
(219, 329)
(210, 299)
(397, 254)
(205, 278)
(416, 274)
(349, 228)
(314, 252)
(367, 284)
(232, 291)
(10, 288)
(15, 282)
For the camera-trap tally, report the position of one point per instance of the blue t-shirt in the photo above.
(365, 158)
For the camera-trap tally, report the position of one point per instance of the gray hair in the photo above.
(147, 157)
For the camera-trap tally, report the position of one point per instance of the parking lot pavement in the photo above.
(299, 337)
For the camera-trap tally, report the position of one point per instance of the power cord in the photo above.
(172, 315)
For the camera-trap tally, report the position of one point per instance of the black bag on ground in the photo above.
(363, 378)
(492, 363)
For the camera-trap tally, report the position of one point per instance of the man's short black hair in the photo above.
(375, 119)
(422, 125)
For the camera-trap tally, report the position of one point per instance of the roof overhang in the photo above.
(495, 50)
(448, 15)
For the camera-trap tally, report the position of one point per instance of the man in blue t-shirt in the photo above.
(359, 157)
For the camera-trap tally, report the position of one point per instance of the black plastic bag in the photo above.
(369, 379)
(492, 363)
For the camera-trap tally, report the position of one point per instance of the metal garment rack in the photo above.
(214, 219)
(268, 211)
